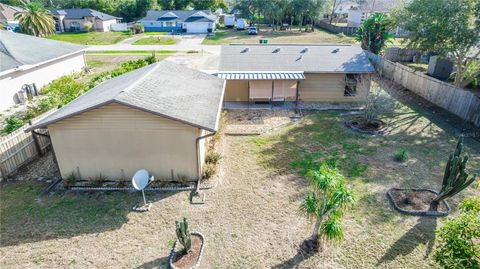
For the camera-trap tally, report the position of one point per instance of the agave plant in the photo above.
(35, 19)
(327, 201)
(456, 177)
(374, 33)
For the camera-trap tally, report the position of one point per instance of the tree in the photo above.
(458, 238)
(208, 4)
(335, 4)
(35, 20)
(374, 33)
(449, 28)
(144, 5)
(327, 202)
(314, 11)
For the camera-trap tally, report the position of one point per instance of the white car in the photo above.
(252, 30)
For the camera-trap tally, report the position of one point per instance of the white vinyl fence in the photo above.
(20, 148)
(118, 27)
(458, 101)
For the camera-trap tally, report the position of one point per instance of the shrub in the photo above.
(212, 157)
(13, 123)
(401, 155)
(138, 28)
(458, 238)
(64, 90)
(209, 170)
(70, 180)
(88, 26)
(97, 181)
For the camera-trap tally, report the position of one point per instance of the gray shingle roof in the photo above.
(307, 58)
(80, 13)
(19, 49)
(181, 15)
(7, 12)
(165, 89)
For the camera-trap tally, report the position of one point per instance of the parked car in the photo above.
(253, 30)
(241, 24)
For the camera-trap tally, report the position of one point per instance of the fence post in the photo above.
(35, 140)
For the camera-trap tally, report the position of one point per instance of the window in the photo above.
(351, 85)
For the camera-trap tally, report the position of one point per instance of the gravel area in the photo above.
(43, 167)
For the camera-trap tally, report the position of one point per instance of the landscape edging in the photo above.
(172, 252)
(416, 212)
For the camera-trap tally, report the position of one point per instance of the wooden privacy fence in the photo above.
(348, 30)
(400, 55)
(20, 148)
(460, 102)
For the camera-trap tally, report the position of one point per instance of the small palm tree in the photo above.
(374, 33)
(35, 19)
(327, 201)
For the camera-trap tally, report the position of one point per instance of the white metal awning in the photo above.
(261, 75)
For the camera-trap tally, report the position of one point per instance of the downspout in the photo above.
(199, 158)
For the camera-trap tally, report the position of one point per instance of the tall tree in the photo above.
(35, 20)
(208, 4)
(144, 5)
(450, 28)
(374, 33)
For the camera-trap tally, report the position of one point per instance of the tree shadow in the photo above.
(422, 233)
(155, 264)
(294, 261)
(29, 217)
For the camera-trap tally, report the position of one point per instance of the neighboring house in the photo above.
(188, 21)
(310, 73)
(344, 6)
(7, 17)
(358, 14)
(157, 118)
(28, 63)
(71, 20)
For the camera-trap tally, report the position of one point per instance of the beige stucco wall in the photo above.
(315, 88)
(41, 75)
(115, 137)
(326, 88)
(236, 90)
(98, 25)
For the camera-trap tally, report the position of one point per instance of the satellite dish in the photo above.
(140, 179)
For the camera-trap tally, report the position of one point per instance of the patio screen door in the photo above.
(285, 89)
(260, 89)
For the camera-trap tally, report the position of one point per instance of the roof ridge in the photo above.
(142, 77)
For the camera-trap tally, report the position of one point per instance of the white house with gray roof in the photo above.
(73, 19)
(27, 63)
(308, 73)
(187, 21)
(156, 118)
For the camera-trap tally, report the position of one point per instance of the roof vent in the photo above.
(336, 50)
(305, 50)
(277, 50)
(245, 50)
(299, 58)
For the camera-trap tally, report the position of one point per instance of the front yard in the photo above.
(231, 36)
(91, 38)
(251, 218)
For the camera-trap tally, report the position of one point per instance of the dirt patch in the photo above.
(256, 121)
(44, 166)
(359, 124)
(416, 201)
(182, 260)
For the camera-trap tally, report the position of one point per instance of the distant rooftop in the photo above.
(307, 58)
(18, 50)
(80, 13)
(165, 89)
(179, 15)
(7, 12)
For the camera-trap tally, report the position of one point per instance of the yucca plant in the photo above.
(35, 19)
(326, 202)
(183, 235)
(456, 177)
(374, 33)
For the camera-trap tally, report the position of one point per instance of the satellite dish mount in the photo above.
(140, 181)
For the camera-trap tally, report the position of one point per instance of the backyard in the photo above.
(222, 37)
(251, 217)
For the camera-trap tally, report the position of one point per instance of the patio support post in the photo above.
(296, 95)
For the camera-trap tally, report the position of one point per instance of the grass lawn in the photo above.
(91, 38)
(277, 37)
(154, 40)
(251, 217)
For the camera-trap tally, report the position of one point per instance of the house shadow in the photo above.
(28, 217)
(159, 263)
(422, 233)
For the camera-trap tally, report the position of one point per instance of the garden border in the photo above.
(416, 212)
(172, 252)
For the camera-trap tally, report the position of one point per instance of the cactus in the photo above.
(183, 235)
(455, 178)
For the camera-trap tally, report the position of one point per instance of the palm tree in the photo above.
(35, 19)
(326, 203)
(374, 33)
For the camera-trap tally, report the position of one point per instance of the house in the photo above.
(308, 73)
(27, 63)
(71, 20)
(156, 118)
(188, 21)
(359, 13)
(7, 16)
